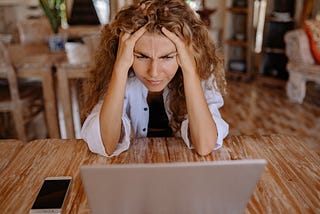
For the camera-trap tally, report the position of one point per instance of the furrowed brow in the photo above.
(168, 54)
(146, 55)
(141, 54)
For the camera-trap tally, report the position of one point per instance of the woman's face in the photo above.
(155, 62)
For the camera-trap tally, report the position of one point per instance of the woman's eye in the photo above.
(167, 57)
(140, 57)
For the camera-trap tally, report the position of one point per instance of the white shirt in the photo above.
(135, 118)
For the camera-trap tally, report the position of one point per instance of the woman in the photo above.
(156, 75)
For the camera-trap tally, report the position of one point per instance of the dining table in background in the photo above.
(290, 182)
(36, 61)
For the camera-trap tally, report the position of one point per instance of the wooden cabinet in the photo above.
(281, 17)
(238, 39)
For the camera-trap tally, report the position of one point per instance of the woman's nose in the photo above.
(153, 68)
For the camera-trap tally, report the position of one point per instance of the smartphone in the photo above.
(52, 194)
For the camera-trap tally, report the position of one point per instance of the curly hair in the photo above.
(177, 17)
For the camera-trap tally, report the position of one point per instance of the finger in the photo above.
(124, 36)
(136, 35)
(172, 36)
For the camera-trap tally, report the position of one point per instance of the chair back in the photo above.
(7, 73)
(34, 31)
(23, 101)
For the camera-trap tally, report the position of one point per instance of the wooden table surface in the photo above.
(289, 184)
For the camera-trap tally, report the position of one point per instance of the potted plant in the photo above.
(53, 10)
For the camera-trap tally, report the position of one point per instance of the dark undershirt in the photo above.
(158, 121)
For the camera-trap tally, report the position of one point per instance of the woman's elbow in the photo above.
(204, 151)
(109, 152)
(205, 146)
(110, 145)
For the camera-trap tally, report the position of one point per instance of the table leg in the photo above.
(65, 98)
(50, 103)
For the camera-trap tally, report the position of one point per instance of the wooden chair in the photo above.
(34, 31)
(23, 101)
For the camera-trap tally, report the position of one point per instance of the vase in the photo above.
(56, 42)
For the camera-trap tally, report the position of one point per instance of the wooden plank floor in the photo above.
(252, 108)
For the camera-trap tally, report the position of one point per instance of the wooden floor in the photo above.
(252, 108)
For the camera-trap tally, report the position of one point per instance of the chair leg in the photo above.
(19, 123)
(296, 87)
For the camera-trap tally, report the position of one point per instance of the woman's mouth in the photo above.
(154, 82)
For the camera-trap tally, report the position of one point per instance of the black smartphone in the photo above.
(52, 195)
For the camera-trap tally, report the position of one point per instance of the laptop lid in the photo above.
(184, 187)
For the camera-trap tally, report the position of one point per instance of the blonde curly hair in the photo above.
(177, 17)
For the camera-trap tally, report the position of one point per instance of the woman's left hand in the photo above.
(185, 57)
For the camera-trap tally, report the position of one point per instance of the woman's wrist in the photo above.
(121, 67)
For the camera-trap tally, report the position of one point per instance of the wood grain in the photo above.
(289, 184)
(8, 151)
(255, 109)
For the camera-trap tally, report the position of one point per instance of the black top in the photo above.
(158, 121)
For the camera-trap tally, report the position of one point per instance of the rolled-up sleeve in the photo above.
(90, 132)
(215, 101)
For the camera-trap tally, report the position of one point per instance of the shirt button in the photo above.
(145, 109)
(144, 129)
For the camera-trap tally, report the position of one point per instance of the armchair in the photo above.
(301, 65)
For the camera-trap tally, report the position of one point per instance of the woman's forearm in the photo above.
(202, 128)
(111, 111)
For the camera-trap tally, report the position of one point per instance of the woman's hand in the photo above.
(185, 57)
(126, 45)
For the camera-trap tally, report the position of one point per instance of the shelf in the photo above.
(279, 20)
(238, 39)
(274, 50)
(274, 19)
(236, 43)
(238, 9)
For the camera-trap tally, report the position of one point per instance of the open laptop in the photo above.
(184, 187)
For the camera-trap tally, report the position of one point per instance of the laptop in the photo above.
(183, 187)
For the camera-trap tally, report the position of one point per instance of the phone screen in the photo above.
(52, 194)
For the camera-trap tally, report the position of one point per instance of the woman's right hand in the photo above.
(126, 45)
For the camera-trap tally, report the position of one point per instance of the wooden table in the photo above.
(8, 151)
(289, 184)
(37, 61)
